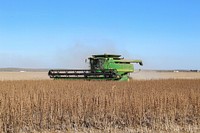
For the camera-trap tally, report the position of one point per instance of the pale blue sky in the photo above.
(165, 34)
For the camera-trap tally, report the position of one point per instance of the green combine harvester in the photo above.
(102, 67)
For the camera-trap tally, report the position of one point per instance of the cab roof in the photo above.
(107, 56)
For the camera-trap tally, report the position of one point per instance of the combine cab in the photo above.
(102, 67)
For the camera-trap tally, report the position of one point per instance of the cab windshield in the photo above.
(96, 64)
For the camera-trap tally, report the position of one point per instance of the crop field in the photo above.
(143, 75)
(59, 106)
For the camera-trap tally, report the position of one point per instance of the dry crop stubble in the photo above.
(135, 106)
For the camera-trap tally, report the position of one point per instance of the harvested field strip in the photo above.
(154, 105)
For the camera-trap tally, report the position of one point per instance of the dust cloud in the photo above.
(73, 57)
